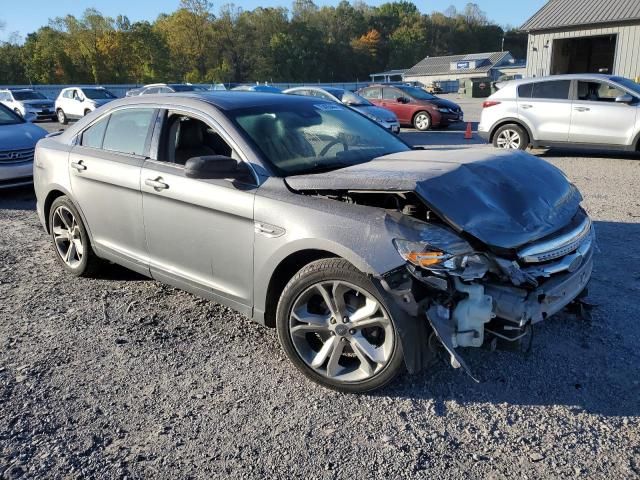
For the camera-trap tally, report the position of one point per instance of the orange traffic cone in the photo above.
(468, 135)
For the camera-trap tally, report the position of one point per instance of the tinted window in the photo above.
(416, 93)
(127, 131)
(7, 117)
(525, 91)
(372, 93)
(598, 92)
(28, 95)
(92, 136)
(98, 94)
(391, 94)
(555, 90)
(150, 91)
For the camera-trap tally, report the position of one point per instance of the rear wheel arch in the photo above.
(509, 121)
(51, 196)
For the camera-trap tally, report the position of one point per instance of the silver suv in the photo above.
(596, 111)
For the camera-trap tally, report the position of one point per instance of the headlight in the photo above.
(438, 247)
(444, 110)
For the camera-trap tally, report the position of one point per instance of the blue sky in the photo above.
(28, 15)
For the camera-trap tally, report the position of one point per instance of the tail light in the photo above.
(489, 103)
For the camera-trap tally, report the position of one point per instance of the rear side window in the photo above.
(554, 90)
(127, 131)
(92, 137)
(372, 93)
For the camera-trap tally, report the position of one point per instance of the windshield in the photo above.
(98, 93)
(28, 95)
(183, 88)
(417, 93)
(309, 138)
(7, 117)
(630, 84)
(354, 100)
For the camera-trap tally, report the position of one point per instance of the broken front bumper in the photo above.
(519, 307)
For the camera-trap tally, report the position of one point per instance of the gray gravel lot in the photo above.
(123, 377)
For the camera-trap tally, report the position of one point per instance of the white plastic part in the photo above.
(471, 314)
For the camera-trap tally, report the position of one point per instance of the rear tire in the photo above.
(357, 353)
(62, 117)
(71, 243)
(511, 137)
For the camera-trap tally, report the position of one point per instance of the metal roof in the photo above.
(571, 13)
(442, 65)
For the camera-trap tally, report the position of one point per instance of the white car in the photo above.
(586, 110)
(76, 102)
(28, 103)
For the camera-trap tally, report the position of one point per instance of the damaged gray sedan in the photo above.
(307, 216)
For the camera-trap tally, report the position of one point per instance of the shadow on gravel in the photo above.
(588, 366)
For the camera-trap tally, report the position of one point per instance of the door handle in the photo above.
(582, 109)
(157, 184)
(79, 166)
(526, 106)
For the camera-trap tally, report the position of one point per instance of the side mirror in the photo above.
(213, 167)
(626, 98)
(401, 100)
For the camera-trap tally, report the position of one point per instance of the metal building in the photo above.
(585, 36)
(448, 71)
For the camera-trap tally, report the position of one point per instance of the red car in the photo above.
(413, 106)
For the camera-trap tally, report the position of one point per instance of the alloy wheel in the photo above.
(509, 139)
(341, 331)
(67, 237)
(422, 121)
(61, 116)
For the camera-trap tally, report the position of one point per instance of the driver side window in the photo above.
(391, 94)
(184, 137)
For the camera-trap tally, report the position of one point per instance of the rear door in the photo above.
(105, 180)
(597, 118)
(546, 107)
(199, 232)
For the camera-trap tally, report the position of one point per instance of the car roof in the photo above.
(572, 76)
(227, 100)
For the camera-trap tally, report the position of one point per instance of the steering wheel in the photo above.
(333, 142)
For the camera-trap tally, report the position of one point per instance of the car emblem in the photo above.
(14, 155)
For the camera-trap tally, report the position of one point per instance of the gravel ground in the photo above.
(123, 377)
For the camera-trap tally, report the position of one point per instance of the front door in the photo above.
(397, 101)
(597, 118)
(105, 180)
(199, 232)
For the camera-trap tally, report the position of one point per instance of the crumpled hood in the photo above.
(20, 136)
(503, 198)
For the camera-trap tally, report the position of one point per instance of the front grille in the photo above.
(16, 156)
(558, 246)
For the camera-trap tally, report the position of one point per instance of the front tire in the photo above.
(70, 239)
(62, 117)
(335, 328)
(422, 121)
(511, 137)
